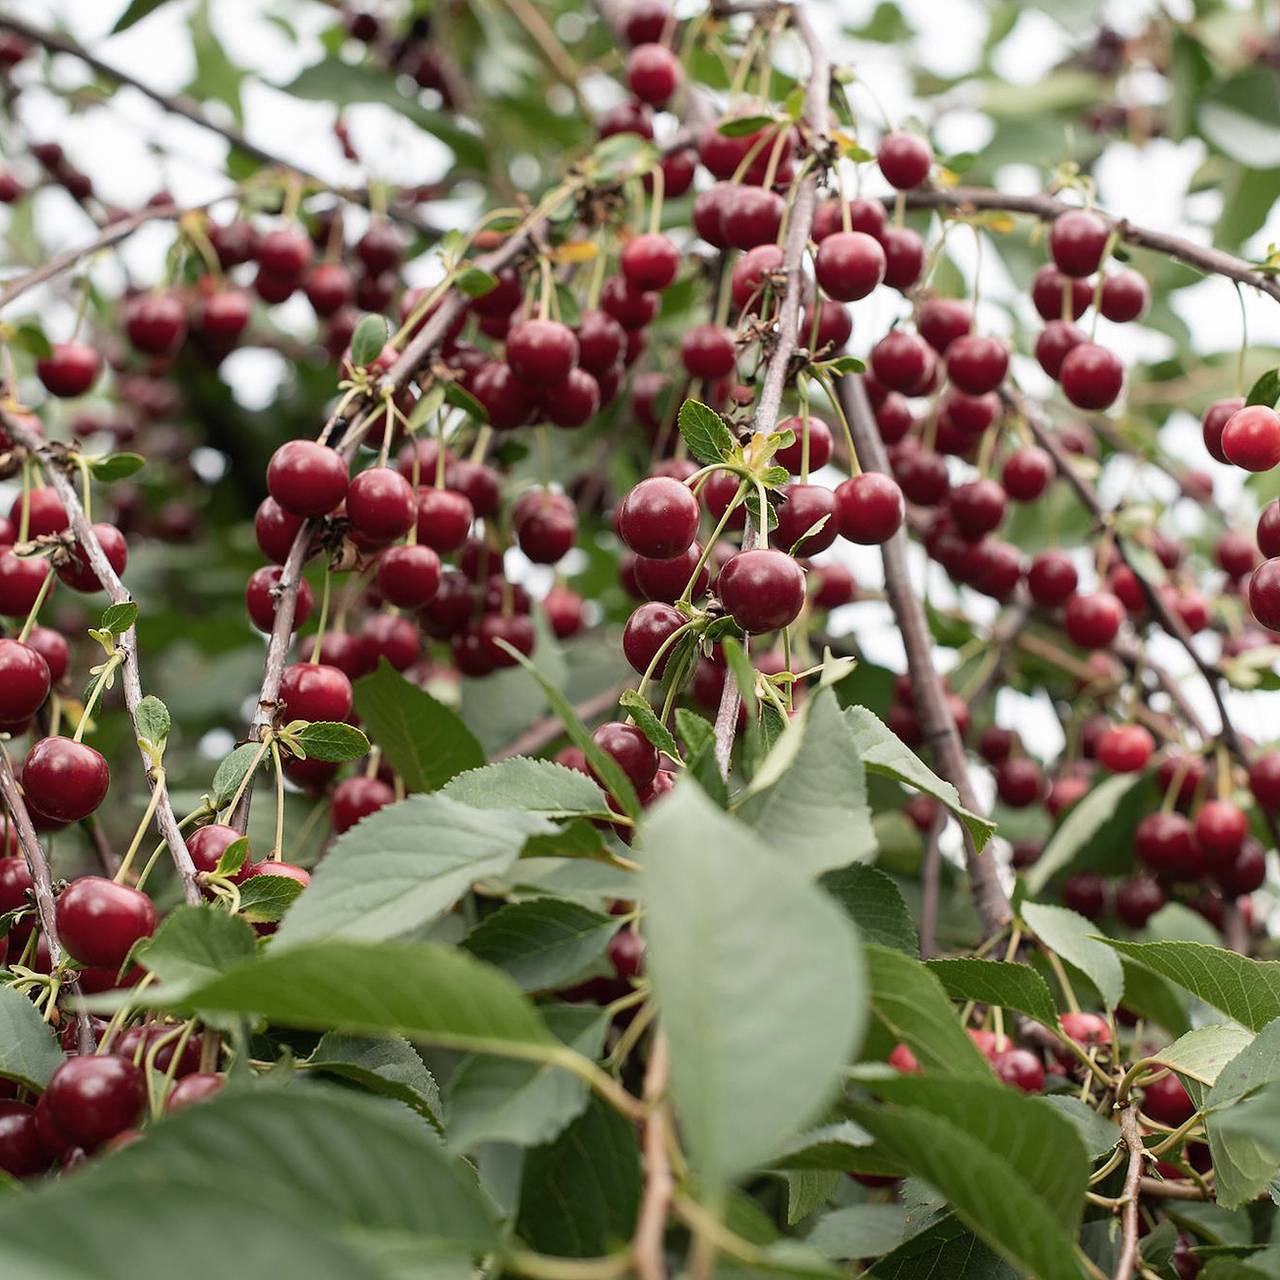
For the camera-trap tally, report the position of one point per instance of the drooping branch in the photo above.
(166, 819)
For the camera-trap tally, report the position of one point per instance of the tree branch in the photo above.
(1129, 1229)
(549, 728)
(651, 1223)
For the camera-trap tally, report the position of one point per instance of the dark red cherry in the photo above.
(1220, 829)
(870, 508)
(1093, 620)
(849, 265)
(1251, 438)
(1047, 288)
(45, 512)
(306, 478)
(752, 274)
(792, 457)
(1051, 579)
(763, 589)
(52, 646)
(666, 580)
(409, 577)
(24, 681)
(444, 519)
(222, 316)
(541, 352)
(284, 252)
(573, 402)
(92, 1098)
(1027, 472)
(835, 586)
(1019, 782)
(207, 845)
(650, 626)
(631, 308)
(1125, 748)
(22, 1154)
(380, 248)
(395, 639)
(903, 256)
(70, 369)
(276, 529)
(1264, 781)
(922, 476)
(99, 921)
(1137, 899)
(1086, 893)
(1021, 1069)
(356, 798)
(315, 691)
(1057, 339)
(904, 160)
(77, 572)
(565, 612)
(943, 320)
(1076, 241)
(545, 524)
(601, 342)
(708, 352)
(381, 505)
(329, 287)
(646, 21)
(1215, 420)
(198, 1086)
(156, 323)
(805, 506)
(64, 779)
(900, 360)
(1246, 872)
(977, 364)
(1264, 594)
(1236, 553)
(708, 209)
(1125, 295)
(1091, 376)
(752, 217)
(658, 518)
(1166, 1101)
(829, 329)
(261, 600)
(977, 507)
(21, 578)
(631, 749)
(653, 73)
(649, 261)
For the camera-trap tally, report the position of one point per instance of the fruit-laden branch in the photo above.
(42, 889)
(1210, 261)
(166, 819)
(1129, 1215)
(180, 105)
(936, 720)
(786, 337)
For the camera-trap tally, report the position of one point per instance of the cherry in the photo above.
(678, 171)
(1021, 1069)
(306, 478)
(1090, 1030)
(1093, 621)
(381, 505)
(409, 578)
(1091, 376)
(650, 261)
(1019, 782)
(631, 749)
(751, 274)
(45, 512)
(1063, 793)
(1026, 474)
(835, 586)
(976, 364)
(77, 572)
(156, 323)
(1264, 594)
(284, 252)
(52, 647)
(233, 242)
(849, 265)
(314, 691)
(829, 328)
(1166, 1101)
(284, 870)
(1056, 341)
(1125, 748)
(1220, 829)
(91, 1099)
(199, 1086)
(665, 580)
(805, 506)
(903, 256)
(658, 518)
(70, 369)
(545, 524)
(275, 529)
(565, 612)
(1264, 781)
(329, 287)
(646, 21)
(1236, 553)
(601, 342)
(763, 589)
(137, 1042)
(922, 476)
(1085, 893)
(904, 160)
(1076, 241)
(1137, 900)
(708, 211)
(995, 568)
(395, 639)
(977, 507)
(902, 1060)
(541, 352)
(792, 457)
(943, 320)
(380, 248)
(1246, 872)
(1215, 419)
(574, 401)
(444, 519)
(222, 316)
(356, 798)
(1125, 296)
(1051, 579)
(22, 1154)
(647, 629)
(864, 215)
(1251, 438)
(261, 601)
(24, 681)
(653, 73)
(65, 780)
(1047, 287)
(631, 308)
(708, 352)
(900, 360)
(207, 845)
(751, 217)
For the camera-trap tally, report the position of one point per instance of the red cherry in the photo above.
(1047, 288)
(1019, 782)
(762, 589)
(1125, 748)
(1085, 893)
(752, 273)
(574, 401)
(835, 586)
(408, 577)
(70, 369)
(1125, 296)
(829, 329)
(751, 217)
(52, 646)
(78, 573)
(1021, 1069)
(658, 518)
(665, 580)
(92, 1098)
(1264, 594)
(977, 508)
(864, 215)
(45, 513)
(306, 478)
(199, 1086)
(653, 73)
(22, 1154)
(65, 780)
(1137, 900)
(261, 601)
(99, 921)
(647, 630)
(381, 505)
(1051, 579)
(156, 323)
(1091, 376)
(1264, 781)
(395, 639)
(1027, 472)
(222, 316)
(207, 845)
(275, 529)
(329, 287)
(1093, 621)
(1251, 438)
(1076, 241)
(1220, 829)
(646, 21)
(356, 798)
(24, 681)
(1246, 872)
(922, 476)
(903, 256)
(977, 364)
(1166, 1101)
(1236, 553)
(870, 508)
(315, 691)
(708, 352)
(284, 252)
(545, 524)
(631, 749)
(1056, 341)
(904, 160)
(541, 352)
(849, 265)
(649, 261)
(601, 342)
(631, 308)
(792, 457)
(805, 506)
(1215, 419)
(380, 248)
(444, 519)
(565, 612)
(900, 360)
(943, 320)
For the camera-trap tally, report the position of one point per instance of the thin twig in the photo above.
(1129, 1220)
(651, 1223)
(549, 728)
(930, 877)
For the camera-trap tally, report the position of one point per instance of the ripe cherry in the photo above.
(284, 252)
(65, 780)
(261, 600)
(408, 577)
(45, 512)
(1125, 296)
(1264, 594)
(658, 518)
(903, 256)
(1165, 843)
(650, 261)
(565, 612)
(285, 870)
(222, 316)
(632, 308)
(763, 589)
(1051, 579)
(870, 508)
(52, 646)
(396, 639)
(834, 586)
(22, 1154)
(653, 73)
(1166, 1101)
(70, 369)
(1215, 419)
(306, 478)
(829, 329)
(574, 401)
(864, 215)
(156, 323)
(356, 798)
(1091, 376)
(1125, 748)
(1085, 892)
(1089, 1030)
(751, 217)
(99, 921)
(943, 320)
(665, 580)
(78, 573)
(1236, 553)
(1093, 620)
(381, 505)
(1246, 872)
(904, 160)
(806, 505)
(631, 749)
(1019, 782)
(977, 364)
(92, 1098)
(207, 845)
(275, 529)
(752, 273)
(647, 630)
(545, 524)
(792, 457)
(1027, 472)
(1047, 288)
(647, 21)
(199, 1086)
(900, 360)
(977, 507)
(1076, 241)
(708, 352)
(922, 476)
(1220, 830)
(1056, 341)
(444, 519)
(1021, 1069)
(1264, 781)
(541, 352)
(380, 248)
(1137, 900)
(849, 265)
(1251, 438)
(315, 691)
(24, 681)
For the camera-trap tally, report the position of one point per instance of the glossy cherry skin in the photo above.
(653, 73)
(1091, 376)
(70, 369)
(649, 261)
(199, 1086)
(1125, 748)
(751, 217)
(977, 507)
(1125, 296)
(1076, 241)
(24, 681)
(545, 524)
(306, 478)
(792, 457)
(381, 505)
(21, 578)
(1088, 1029)
(1047, 288)
(573, 402)
(275, 529)
(870, 508)
(1093, 621)
(1057, 339)
(52, 646)
(901, 361)
(805, 506)
(708, 351)
(78, 573)
(648, 628)
(396, 639)
(1020, 1068)
(1215, 420)
(1220, 829)
(631, 749)
(1246, 872)
(261, 602)
(564, 612)
(1166, 1100)
(22, 1154)
(285, 870)
(1137, 900)
(314, 691)
(99, 921)
(1251, 438)
(904, 160)
(409, 576)
(65, 780)
(1027, 472)
(977, 364)
(904, 256)
(356, 798)
(91, 1099)
(1019, 782)
(943, 320)
(207, 845)
(1085, 892)
(1051, 579)
(156, 323)
(849, 265)
(601, 342)
(763, 589)
(658, 518)
(1264, 781)
(444, 519)
(665, 580)
(541, 352)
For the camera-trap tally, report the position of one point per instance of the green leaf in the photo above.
(425, 742)
(858, 1231)
(567, 306)
(475, 282)
(944, 1250)
(234, 856)
(1098, 1135)
(136, 11)
(744, 674)
(368, 340)
(117, 466)
(1241, 117)
(232, 771)
(639, 709)
(543, 944)
(1070, 936)
(400, 867)
(741, 126)
(808, 799)
(1011, 1166)
(1246, 990)
(883, 752)
(388, 1065)
(1242, 1121)
(913, 1005)
(458, 396)
(1266, 390)
(118, 618)
(527, 1103)
(706, 433)
(995, 982)
(808, 1190)
(580, 1195)
(29, 1051)
(30, 337)
(153, 722)
(1203, 1052)
(265, 899)
(541, 786)
(699, 737)
(875, 904)
(332, 741)
(1154, 999)
(194, 945)
(736, 940)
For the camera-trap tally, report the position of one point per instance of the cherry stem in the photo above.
(687, 594)
(1244, 340)
(548, 287)
(41, 596)
(108, 670)
(855, 466)
(263, 748)
(664, 648)
(325, 592)
(1107, 250)
(123, 869)
(24, 518)
(1224, 771)
(277, 851)
(655, 209)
